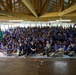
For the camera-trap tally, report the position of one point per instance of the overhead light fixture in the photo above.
(15, 20)
(63, 20)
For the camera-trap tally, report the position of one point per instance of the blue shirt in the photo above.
(56, 47)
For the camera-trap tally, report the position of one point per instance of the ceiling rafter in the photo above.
(69, 3)
(19, 5)
(14, 6)
(65, 2)
(68, 10)
(10, 4)
(57, 14)
(24, 9)
(38, 6)
(6, 13)
(53, 6)
(33, 18)
(51, 10)
(73, 2)
(61, 5)
(52, 14)
(7, 5)
(45, 7)
(33, 3)
(30, 7)
(2, 3)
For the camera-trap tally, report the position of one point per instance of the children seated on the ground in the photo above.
(36, 39)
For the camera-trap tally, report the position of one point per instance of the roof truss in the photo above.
(38, 9)
(30, 7)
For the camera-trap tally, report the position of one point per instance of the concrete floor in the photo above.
(37, 66)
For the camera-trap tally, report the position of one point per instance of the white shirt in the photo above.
(48, 45)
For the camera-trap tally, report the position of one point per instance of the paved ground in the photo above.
(37, 66)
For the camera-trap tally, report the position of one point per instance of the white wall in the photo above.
(5, 26)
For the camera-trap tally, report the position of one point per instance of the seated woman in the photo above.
(3, 52)
(66, 47)
(48, 48)
(72, 49)
(40, 48)
(59, 51)
(32, 49)
(55, 47)
(14, 49)
(9, 49)
(20, 49)
(2, 48)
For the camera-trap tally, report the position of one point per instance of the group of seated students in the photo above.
(52, 41)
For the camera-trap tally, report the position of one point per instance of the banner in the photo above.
(1, 35)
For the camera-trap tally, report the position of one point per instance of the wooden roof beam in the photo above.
(73, 2)
(53, 14)
(33, 3)
(1, 2)
(68, 3)
(30, 7)
(6, 13)
(61, 6)
(9, 5)
(45, 7)
(71, 14)
(28, 17)
(38, 6)
(57, 14)
(68, 10)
